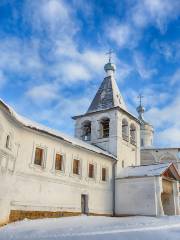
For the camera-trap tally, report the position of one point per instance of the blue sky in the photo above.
(52, 54)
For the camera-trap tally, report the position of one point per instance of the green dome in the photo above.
(109, 66)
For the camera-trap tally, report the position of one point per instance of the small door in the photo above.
(84, 203)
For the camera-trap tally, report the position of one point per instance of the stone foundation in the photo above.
(17, 215)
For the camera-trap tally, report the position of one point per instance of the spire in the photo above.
(108, 95)
(140, 109)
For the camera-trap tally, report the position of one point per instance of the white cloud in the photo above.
(20, 58)
(166, 122)
(43, 93)
(140, 15)
(75, 72)
(122, 34)
(169, 137)
(175, 77)
(54, 11)
(55, 17)
(154, 12)
(142, 67)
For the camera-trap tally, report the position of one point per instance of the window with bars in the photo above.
(38, 159)
(59, 162)
(91, 170)
(104, 174)
(76, 166)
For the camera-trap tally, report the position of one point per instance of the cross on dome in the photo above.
(110, 54)
(140, 96)
(140, 109)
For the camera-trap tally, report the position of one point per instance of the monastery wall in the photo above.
(25, 186)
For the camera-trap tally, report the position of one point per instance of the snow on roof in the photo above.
(160, 148)
(144, 170)
(39, 127)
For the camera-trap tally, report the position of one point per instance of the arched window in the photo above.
(104, 127)
(125, 130)
(8, 142)
(132, 134)
(86, 129)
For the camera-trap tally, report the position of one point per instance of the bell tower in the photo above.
(102, 124)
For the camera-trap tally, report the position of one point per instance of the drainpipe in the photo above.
(113, 184)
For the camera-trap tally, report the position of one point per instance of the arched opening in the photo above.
(104, 127)
(125, 130)
(86, 129)
(132, 134)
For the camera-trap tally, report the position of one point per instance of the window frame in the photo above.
(79, 167)
(107, 174)
(71, 174)
(94, 171)
(42, 157)
(62, 162)
(55, 171)
(32, 164)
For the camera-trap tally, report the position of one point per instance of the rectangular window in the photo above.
(91, 171)
(76, 166)
(38, 160)
(59, 162)
(104, 174)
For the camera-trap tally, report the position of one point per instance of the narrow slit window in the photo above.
(38, 156)
(8, 142)
(76, 167)
(104, 174)
(59, 162)
(91, 171)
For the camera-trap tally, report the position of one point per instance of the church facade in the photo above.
(45, 173)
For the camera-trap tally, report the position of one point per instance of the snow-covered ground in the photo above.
(94, 228)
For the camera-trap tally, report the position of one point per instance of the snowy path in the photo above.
(94, 228)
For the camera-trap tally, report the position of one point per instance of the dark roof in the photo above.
(107, 96)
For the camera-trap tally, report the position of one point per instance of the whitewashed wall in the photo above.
(25, 186)
(136, 196)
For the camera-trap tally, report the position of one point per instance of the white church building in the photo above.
(45, 173)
